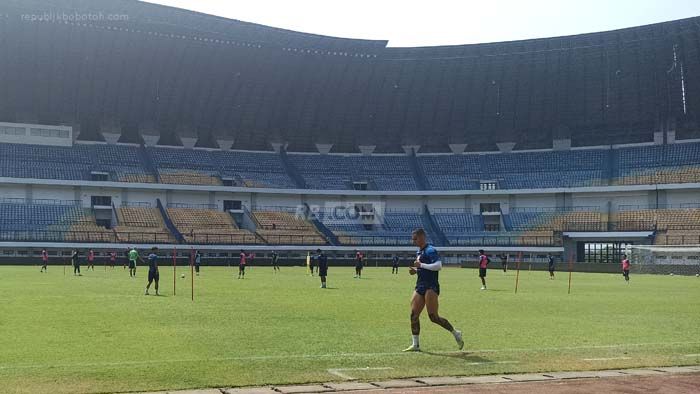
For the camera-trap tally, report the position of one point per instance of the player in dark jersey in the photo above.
(483, 264)
(197, 261)
(395, 264)
(550, 266)
(358, 264)
(75, 260)
(275, 258)
(153, 274)
(44, 261)
(322, 264)
(504, 262)
(427, 291)
(312, 263)
(126, 257)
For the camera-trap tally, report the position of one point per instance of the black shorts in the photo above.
(358, 267)
(153, 275)
(551, 270)
(423, 288)
(625, 272)
(132, 264)
(323, 272)
(241, 268)
(482, 272)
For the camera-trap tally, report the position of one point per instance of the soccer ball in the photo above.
(182, 276)
(696, 275)
(671, 274)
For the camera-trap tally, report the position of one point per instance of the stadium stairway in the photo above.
(432, 228)
(417, 171)
(612, 170)
(147, 163)
(325, 231)
(169, 223)
(291, 170)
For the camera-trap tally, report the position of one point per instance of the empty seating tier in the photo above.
(277, 227)
(209, 226)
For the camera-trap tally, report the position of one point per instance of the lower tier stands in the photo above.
(279, 227)
(678, 237)
(659, 219)
(141, 225)
(65, 221)
(49, 220)
(209, 226)
(554, 220)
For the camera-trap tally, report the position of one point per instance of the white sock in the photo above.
(455, 333)
(415, 341)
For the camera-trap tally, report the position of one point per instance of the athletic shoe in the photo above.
(483, 288)
(146, 292)
(412, 349)
(458, 338)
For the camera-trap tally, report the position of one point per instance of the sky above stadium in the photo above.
(442, 22)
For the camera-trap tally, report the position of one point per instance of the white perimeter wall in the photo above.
(600, 199)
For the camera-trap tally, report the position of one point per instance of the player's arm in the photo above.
(436, 266)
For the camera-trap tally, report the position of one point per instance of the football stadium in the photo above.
(300, 193)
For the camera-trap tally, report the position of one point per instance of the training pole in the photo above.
(192, 272)
(174, 268)
(517, 271)
(571, 268)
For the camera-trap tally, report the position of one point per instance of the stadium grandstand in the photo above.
(220, 135)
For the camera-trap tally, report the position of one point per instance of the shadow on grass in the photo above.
(465, 356)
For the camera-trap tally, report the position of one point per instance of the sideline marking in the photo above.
(322, 356)
(339, 371)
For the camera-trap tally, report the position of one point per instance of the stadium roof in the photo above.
(142, 68)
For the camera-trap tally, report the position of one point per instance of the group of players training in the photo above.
(426, 267)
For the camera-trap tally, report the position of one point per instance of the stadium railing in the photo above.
(82, 236)
(498, 240)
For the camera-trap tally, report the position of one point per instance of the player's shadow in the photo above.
(464, 356)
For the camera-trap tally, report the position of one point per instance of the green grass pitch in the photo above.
(99, 333)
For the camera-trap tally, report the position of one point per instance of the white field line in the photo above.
(606, 358)
(692, 355)
(331, 355)
(339, 371)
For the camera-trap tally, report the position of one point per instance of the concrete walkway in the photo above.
(680, 380)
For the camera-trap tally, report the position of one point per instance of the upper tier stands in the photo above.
(339, 172)
(528, 170)
(253, 169)
(676, 163)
